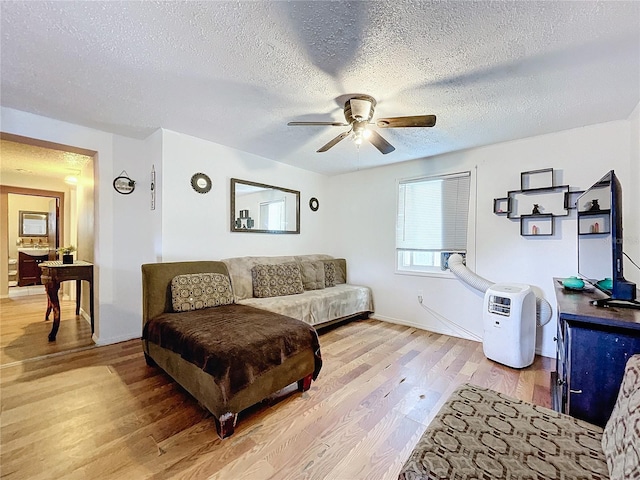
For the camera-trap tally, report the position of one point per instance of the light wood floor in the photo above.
(104, 414)
(24, 333)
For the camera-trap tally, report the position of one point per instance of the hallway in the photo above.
(23, 331)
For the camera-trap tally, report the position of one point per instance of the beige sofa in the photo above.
(480, 433)
(318, 305)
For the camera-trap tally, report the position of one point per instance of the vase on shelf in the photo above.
(67, 258)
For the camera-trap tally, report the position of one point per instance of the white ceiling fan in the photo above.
(358, 113)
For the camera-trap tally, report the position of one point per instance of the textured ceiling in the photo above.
(236, 72)
(24, 159)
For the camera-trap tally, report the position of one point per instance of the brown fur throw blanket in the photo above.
(233, 343)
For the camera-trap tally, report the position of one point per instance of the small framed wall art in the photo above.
(201, 182)
(123, 184)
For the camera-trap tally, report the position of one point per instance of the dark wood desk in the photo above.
(593, 346)
(55, 272)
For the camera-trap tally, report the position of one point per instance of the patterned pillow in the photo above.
(194, 291)
(336, 270)
(620, 437)
(276, 280)
(312, 275)
(329, 273)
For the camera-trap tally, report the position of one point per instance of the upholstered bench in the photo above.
(483, 434)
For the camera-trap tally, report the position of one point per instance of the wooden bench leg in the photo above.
(226, 424)
(305, 383)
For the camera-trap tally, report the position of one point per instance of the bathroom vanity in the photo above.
(28, 269)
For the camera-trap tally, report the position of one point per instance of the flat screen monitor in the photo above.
(600, 253)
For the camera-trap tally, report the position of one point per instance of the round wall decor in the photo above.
(123, 184)
(201, 182)
(314, 204)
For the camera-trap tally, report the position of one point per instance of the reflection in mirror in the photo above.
(33, 224)
(256, 207)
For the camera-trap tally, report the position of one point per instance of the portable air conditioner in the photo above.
(510, 324)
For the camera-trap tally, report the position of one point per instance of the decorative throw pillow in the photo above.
(194, 291)
(276, 280)
(312, 275)
(620, 437)
(329, 273)
(337, 272)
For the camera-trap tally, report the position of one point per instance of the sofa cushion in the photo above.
(335, 271)
(240, 272)
(276, 280)
(621, 433)
(194, 291)
(316, 307)
(312, 275)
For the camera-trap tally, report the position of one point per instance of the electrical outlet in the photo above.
(420, 297)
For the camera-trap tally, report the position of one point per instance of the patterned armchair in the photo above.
(482, 434)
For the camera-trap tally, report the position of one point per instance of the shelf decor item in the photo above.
(67, 254)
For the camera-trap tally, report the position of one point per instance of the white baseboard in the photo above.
(118, 339)
(408, 323)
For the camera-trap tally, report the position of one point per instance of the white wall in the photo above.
(364, 205)
(197, 226)
(133, 234)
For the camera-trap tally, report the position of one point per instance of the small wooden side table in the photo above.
(55, 272)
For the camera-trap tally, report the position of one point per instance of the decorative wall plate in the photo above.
(314, 204)
(201, 182)
(123, 184)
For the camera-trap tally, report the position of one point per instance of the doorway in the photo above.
(61, 179)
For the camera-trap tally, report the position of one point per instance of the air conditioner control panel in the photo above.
(499, 305)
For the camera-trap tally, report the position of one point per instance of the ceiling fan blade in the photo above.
(331, 124)
(413, 121)
(334, 141)
(380, 143)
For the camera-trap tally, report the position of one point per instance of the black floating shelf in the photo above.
(542, 227)
(502, 206)
(594, 213)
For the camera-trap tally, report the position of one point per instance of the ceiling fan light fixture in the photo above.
(358, 114)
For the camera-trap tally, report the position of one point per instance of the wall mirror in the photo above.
(33, 224)
(260, 208)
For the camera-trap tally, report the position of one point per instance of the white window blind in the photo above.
(433, 213)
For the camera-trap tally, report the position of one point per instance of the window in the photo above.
(433, 213)
(272, 215)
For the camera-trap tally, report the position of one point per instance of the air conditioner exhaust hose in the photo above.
(460, 270)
